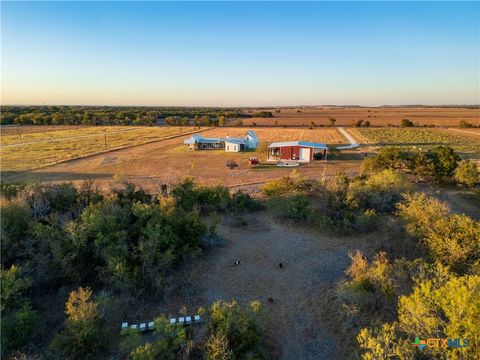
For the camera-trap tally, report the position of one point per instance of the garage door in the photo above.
(305, 154)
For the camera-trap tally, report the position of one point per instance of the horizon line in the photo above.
(249, 106)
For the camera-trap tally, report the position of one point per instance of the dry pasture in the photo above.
(323, 135)
(167, 161)
(378, 116)
(31, 150)
(27, 129)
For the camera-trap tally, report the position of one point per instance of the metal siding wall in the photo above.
(296, 152)
(288, 151)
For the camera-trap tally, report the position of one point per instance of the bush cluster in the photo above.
(59, 236)
(337, 204)
(439, 163)
(431, 296)
(232, 332)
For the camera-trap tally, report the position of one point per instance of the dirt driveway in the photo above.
(312, 265)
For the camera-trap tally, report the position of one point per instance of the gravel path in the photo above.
(351, 140)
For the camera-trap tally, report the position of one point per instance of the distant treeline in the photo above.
(107, 115)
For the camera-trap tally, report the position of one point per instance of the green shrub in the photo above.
(292, 183)
(464, 124)
(450, 309)
(241, 328)
(9, 191)
(451, 239)
(18, 327)
(62, 197)
(263, 114)
(293, 207)
(188, 196)
(445, 161)
(168, 341)
(467, 173)
(388, 157)
(406, 123)
(384, 342)
(16, 216)
(129, 193)
(217, 347)
(84, 336)
(241, 201)
(439, 162)
(380, 191)
(13, 285)
(369, 282)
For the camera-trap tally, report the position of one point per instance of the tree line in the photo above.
(91, 115)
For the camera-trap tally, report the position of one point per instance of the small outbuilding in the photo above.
(301, 151)
(235, 145)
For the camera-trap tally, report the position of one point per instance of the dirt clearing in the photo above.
(312, 265)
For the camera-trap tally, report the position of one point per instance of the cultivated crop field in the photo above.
(378, 116)
(25, 151)
(421, 137)
(322, 135)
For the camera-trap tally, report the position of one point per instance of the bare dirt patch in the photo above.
(312, 265)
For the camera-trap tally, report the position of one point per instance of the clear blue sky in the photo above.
(240, 53)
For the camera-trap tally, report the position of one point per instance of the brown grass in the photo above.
(27, 129)
(323, 135)
(376, 116)
(37, 149)
(167, 161)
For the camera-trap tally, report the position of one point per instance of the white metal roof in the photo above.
(298, 143)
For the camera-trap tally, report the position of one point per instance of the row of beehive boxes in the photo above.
(186, 320)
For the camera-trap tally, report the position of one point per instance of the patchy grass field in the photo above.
(383, 116)
(421, 138)
(26, 129)
(167, 161)
(35, 149)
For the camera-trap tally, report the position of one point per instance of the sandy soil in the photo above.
(312, 265)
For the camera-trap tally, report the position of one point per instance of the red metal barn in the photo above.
(302, 151)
